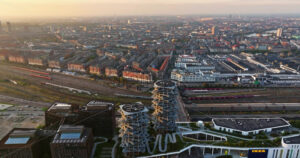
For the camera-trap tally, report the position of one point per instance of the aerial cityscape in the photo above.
(149, 83)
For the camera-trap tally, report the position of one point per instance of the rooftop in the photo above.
(133, 108)
(70, 129)
(165, 83)
(250, 124)
(60, 106)
(71, 134)
(292, 140)
(98, 103)
(19, 137)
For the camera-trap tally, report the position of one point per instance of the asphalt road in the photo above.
(182, 115)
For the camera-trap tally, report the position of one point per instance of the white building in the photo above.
(185, 76)
(249, 126)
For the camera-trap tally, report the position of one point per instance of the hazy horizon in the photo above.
(94, 8)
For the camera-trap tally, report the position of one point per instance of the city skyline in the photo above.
(92, 8)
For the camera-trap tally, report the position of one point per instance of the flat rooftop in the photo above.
(18, 137)
(71, 134)
(70, 129)
(250, 124)
(133, 108)
(98, 103)
(60, 106)
(165, 83)
(292, 140)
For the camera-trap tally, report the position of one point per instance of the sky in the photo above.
(88, 8)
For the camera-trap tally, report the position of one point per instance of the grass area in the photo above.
(295, 123)
(99, 148)
(253, 143)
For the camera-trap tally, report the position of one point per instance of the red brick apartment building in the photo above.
(76, 67)
(95, 70)
(16, 59)
(137, 76)
(110, 72)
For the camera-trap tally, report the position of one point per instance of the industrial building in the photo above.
(249, 126)
(164, 104)
(72, 141)
(134, 128)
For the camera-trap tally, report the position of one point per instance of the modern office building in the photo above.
(134, 128)
(289, 148)
(99, 116)
(186, 77)
(0, 26)
(72, 141)
(214, 30)
(21, 143)
(164, 104)
(8, 24)
(279, 32)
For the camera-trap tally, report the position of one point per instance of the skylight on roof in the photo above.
(70, 136)
(17, 140)
(62, 104)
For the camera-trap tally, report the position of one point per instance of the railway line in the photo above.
(37, 76)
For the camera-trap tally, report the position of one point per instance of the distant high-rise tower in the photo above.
(0, 26)
(165, 110)
(279, 32)
(84, 28)
(214, 30)
(8, 26)
(134, 128)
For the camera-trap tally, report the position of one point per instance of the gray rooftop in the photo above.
(60, 106)
(70, 129)
(23, 133)
(165, 83)
(250, 124)
(292, 140)
(98, 103)
(71, 134)
(134, 108)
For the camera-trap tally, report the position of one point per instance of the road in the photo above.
(114, 150)
(182, 113)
